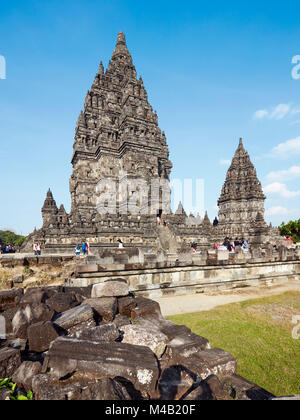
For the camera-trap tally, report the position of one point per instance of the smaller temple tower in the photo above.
(49, 208)
(242, 197)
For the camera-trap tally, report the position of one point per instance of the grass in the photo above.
(258, 333)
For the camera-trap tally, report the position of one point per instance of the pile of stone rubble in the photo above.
(103, 343)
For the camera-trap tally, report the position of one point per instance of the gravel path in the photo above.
(175, 305)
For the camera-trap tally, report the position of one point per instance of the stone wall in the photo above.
(218, 270)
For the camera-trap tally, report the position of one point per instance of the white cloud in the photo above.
(280, 111)
(258, 115)
(276, 211)
(288, 148)
(285, 175)
(225, 162)
(280, 189)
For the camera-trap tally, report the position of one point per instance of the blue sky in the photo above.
(214, 71)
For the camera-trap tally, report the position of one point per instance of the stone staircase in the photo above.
(167, 239)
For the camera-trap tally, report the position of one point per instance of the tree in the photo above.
(291, 230)
(10, 238)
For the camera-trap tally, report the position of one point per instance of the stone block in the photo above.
(25, 373)
(10, 360)
(106, 308)
(87, 268)
(106, 333)
(8, 298)
(148, 337)
(81, 316)
(33, 296)
(18, 279)
(137, 364)
(21, 321)
(40, 336)
(241, 389)
(110, 288)
(61, 302)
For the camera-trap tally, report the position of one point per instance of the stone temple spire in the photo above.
(121, 50)
(242, 196)
(241, 180)
(49, 208)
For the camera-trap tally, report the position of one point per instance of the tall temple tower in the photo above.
(242, 198)
(117, 137)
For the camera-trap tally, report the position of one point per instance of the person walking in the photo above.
(77, 250)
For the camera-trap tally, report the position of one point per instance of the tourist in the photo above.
(158, 221)
(35, 250)
(237, 242)
(83, 248)
(77, 250)
(245, 246)
(227, 244)
(120, 243)
(39, 249)
(87, 247)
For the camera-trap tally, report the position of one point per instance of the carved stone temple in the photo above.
(121, 163)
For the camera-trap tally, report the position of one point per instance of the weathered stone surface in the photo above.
(18, 343)
(146, 308)
(175, 382)
(219, 362)
(7, 298)
(106, 308)
(46, 389)
(75, 317)
(21, 321)
(33, 296)
(25, 373)
(291, 398)
(18, 279)
(241, 389)
(105, 389)
(10, 360)
(201, 364)
(82, 291)
(87, 268)
(42, 312)
(111, 288)
(134, 363)
(8, 316)
(121, 320)
(40, 336)
(140, 336)
(126, 305)
(106, 333)
(4, 394)
(209, 389)
(61, 302)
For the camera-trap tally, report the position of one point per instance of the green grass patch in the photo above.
(258, 333)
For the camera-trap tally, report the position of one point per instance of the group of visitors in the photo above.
(37, 249)
(233, 246)
(82, 249)
(8, 249)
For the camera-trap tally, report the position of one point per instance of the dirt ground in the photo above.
(175, 305)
